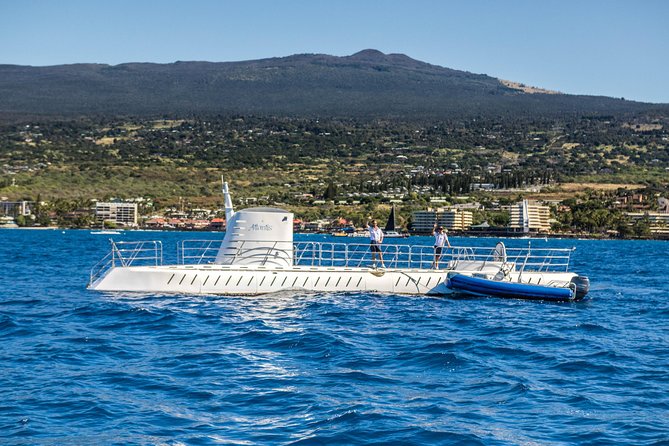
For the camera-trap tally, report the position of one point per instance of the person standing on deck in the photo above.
(440, 239)
(375, 240)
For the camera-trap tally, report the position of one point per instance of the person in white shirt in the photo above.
(375, 240)
(440, 239)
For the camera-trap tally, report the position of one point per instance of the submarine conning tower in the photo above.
(256, 236)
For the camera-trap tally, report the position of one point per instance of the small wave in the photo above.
(358, 426)
(357, 376)
(9, 302)
(593, 328)
(7, 324)
(437, 360)
(584, 367)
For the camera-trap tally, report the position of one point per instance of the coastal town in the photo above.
(573, 177)
(639, 215)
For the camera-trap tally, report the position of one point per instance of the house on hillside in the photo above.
(216, 224)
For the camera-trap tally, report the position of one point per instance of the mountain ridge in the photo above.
(365, 84)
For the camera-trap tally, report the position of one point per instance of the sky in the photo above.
(613, 48)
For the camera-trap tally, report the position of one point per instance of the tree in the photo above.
(499, 219)
(330, 191)
(641, 227)
(624, 228)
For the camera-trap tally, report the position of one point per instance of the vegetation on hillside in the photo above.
(287, 156)
(356, 167)
(365, 85)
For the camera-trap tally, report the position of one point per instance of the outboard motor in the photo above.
(581, 286)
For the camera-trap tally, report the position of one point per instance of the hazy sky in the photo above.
(613, 48)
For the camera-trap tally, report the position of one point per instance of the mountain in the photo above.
(366, 84)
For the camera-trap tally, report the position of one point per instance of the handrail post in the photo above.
(113, 259)
(569, 256)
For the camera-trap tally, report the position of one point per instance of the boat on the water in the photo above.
(258, 255)
(390, 231)
(7, 222)
(575, 289)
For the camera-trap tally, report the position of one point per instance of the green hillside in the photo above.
(368, 84)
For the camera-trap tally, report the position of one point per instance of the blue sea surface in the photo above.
(87, 368)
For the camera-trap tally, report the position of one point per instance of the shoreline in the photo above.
(468, 234)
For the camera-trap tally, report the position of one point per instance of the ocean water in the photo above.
(86, 368)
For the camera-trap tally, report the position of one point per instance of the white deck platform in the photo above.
(316, 266)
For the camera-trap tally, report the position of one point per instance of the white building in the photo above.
(423, 221)
(529, 216)
(451, 219)
(455, 219)
(663, 204)
(124, 214)
(658, 222)
(15, 208)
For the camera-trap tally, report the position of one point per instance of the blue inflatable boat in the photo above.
(496, 288)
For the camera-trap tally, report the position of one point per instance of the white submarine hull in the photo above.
(239, 280)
